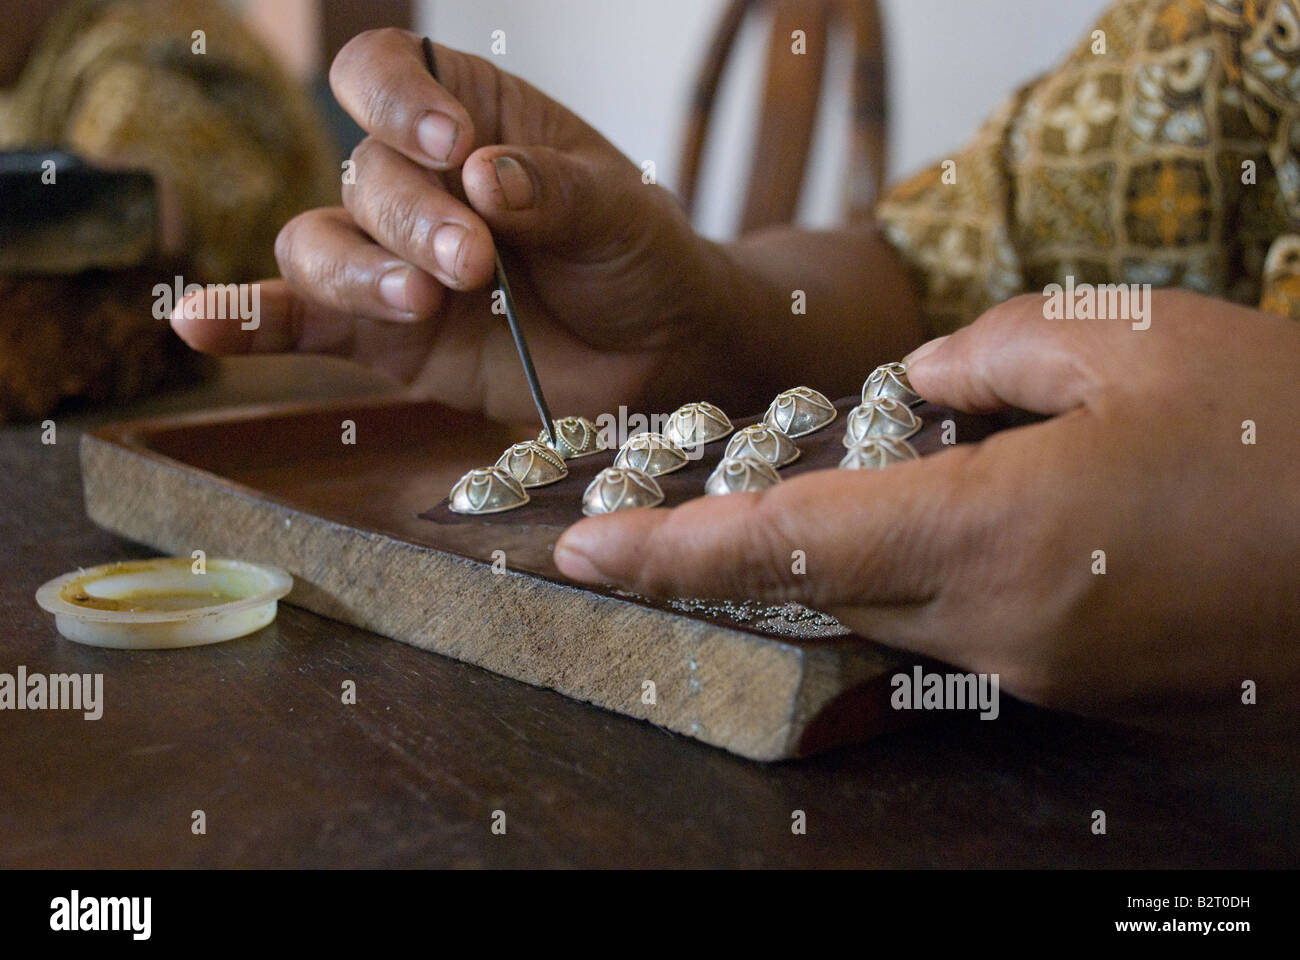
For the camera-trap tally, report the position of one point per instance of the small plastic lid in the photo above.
(162, 602)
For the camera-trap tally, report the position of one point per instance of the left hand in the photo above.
(983, 556)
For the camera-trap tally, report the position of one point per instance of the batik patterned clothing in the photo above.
(232, 141)
(1164, 150)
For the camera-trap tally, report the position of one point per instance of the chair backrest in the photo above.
(792, 93)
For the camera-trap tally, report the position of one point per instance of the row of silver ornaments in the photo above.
(504, 486)
(877, 430)
(630, 483)
(755, 454)
(750, 462)
(752, 457)
(532, 463)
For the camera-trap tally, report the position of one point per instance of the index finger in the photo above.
(381, 79)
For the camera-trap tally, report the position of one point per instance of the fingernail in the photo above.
(447, 242)
(392, 289)
(516, 184)
(923, 349)
(576, 565)
(437, 134)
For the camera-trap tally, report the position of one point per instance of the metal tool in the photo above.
(503, 285)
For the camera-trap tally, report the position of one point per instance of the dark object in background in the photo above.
(59, 215)
(89, 337)
(78, 264)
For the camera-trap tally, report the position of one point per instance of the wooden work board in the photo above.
(278, 485)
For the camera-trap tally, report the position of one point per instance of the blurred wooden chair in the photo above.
(308, 33)
(792, 94)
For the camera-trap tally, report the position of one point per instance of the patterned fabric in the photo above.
(235, 145)
(231, 136)
(1164, 150)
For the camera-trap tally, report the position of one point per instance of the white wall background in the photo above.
(628, 66)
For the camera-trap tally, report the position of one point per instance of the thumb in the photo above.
(827, 538)
(1013, 356)
(571, 202)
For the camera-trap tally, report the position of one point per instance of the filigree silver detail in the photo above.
(882, 417)
(740, 475)
(487, 490)
(695, 424)
(799, 412)
(651, 453)
(533, 464)
(620, 488)
(577, 436)
(890, 380)
(877, 453)
(765, 443)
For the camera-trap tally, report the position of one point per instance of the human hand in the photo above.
(984, 555)
(606, 269)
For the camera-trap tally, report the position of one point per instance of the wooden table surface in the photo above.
(254, 733)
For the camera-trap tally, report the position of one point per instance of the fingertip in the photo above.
(446, 139)
(187, 321)
(923, 351)
(572, 559)
(925, 364)
(608, 549)
(500, 182)
(411, 292)
(474, 256)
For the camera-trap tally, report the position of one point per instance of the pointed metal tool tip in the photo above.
(534, 385)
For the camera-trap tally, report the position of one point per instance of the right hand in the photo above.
(605, 269)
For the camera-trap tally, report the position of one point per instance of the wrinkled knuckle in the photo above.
(327, 275)
(399, 220)
(384, 109)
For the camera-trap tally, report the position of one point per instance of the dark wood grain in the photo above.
(253, 732)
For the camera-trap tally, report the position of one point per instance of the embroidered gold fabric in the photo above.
(1163, 150)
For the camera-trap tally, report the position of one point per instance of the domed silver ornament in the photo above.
(695, 424)
(533, 464)
(890, 380)
(577, 436)
(620, 488)
(799, 412)
(740, 475)
(487, 490)
(882, 417)
(765, 443)
(651, 453)
(876, 453)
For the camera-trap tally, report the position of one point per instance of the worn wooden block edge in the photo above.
(796, 700)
